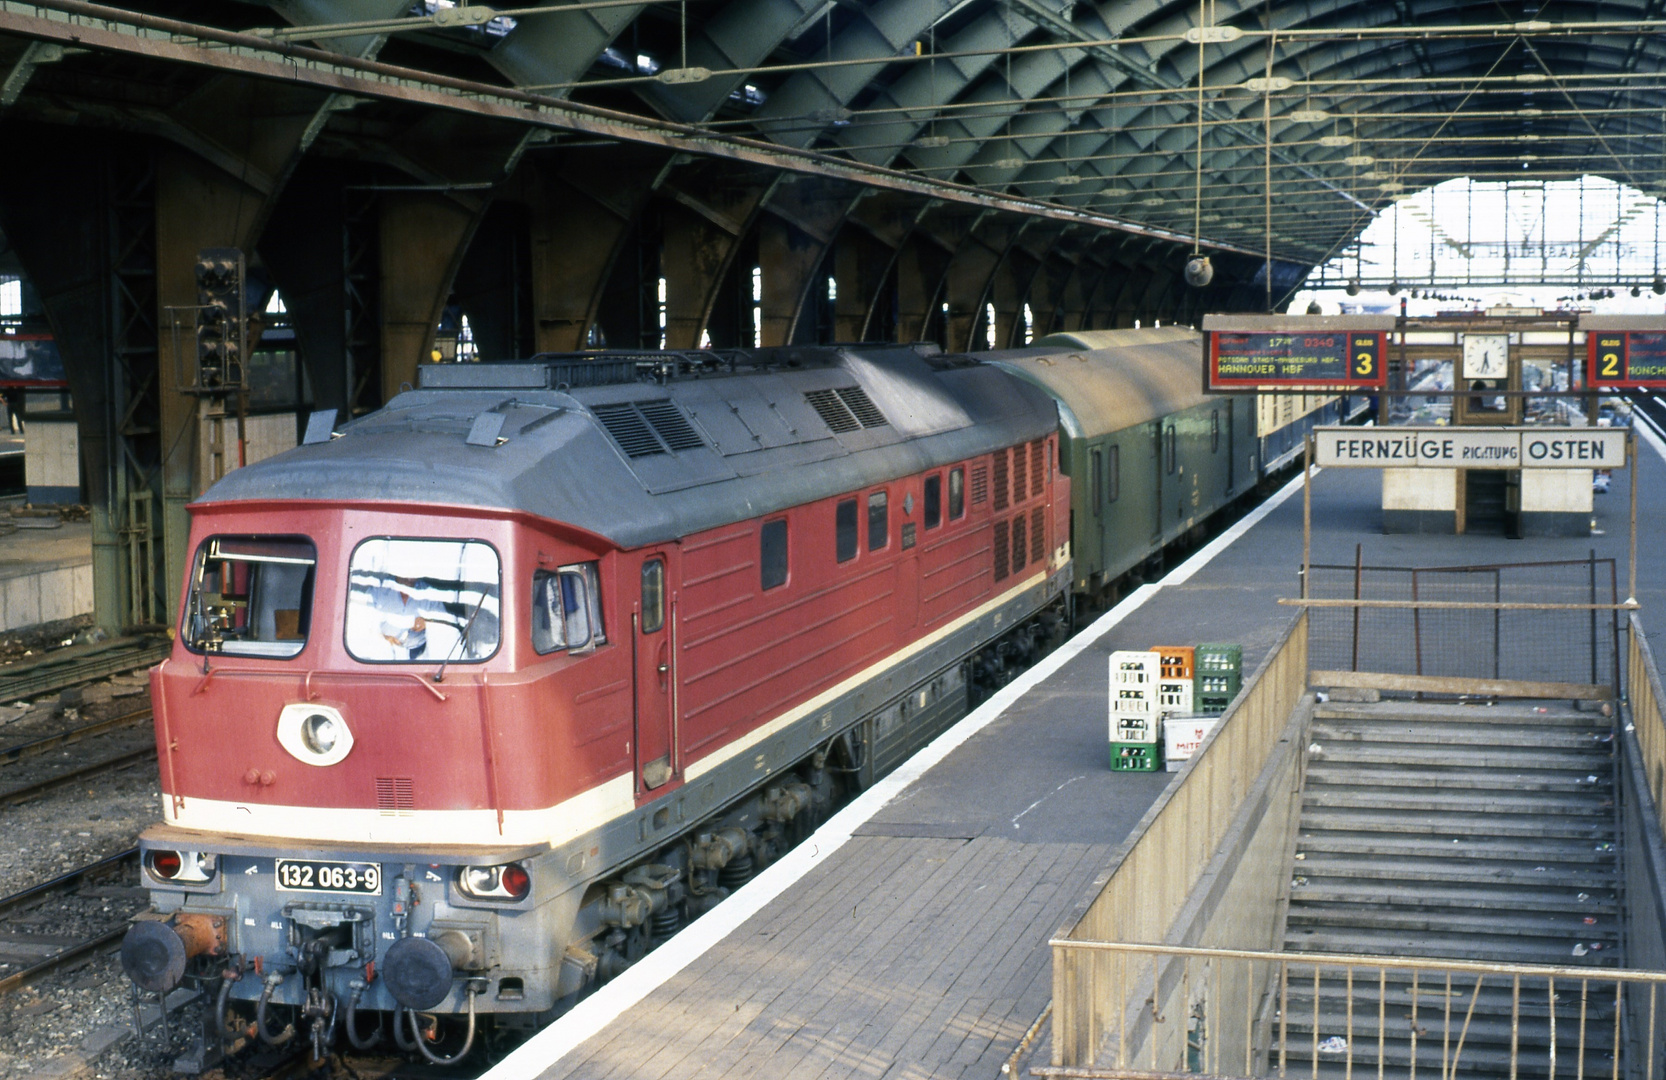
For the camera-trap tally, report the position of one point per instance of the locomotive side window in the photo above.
(653, 595)
(957, 493)
(844, 530)
(772, 553)
(430, 601)
(879, 521)
(934, 500)
(251, 596)
(567, 606)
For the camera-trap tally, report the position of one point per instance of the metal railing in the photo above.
(1234, 1012)
(1156, 872)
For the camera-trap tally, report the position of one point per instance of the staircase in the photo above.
(1485, 502)
(1464, 833)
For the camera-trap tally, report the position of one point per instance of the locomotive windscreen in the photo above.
(251, 596)
(430, 601)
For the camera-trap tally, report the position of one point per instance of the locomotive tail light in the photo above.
(314, 734)
(180, 867)
(507, 882)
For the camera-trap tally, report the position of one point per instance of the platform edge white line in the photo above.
(545, 1050)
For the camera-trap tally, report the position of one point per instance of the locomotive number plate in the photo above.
(311, 875)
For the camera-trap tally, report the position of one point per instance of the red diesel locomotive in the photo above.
(478, 699)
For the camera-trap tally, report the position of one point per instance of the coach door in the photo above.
(654, 647)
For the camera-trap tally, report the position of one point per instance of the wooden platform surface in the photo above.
(900, 956)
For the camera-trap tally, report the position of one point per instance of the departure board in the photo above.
(1296, 360)
(1634, 358)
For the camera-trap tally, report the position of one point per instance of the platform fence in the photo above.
(1246, 1013)
(1552, 625)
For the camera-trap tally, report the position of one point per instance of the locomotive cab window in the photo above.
(879, 521)
(251, 596)
(422, 601)
(772, 553)
(844, 530)
(933, 509)
(567, 606)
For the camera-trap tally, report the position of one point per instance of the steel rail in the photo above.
(40, 746)
(62, 670)
(64, 883)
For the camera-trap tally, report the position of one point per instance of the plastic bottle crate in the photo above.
(1214, 658)
(1211, 704)
(1174, 696)
(1136, 757)
(1228, 684)
(1133, 694)
(1176, 661)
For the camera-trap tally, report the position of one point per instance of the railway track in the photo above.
(46, 926)
(126, 747)
(76, 665)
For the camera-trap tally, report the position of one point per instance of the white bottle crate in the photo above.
(1133, 691)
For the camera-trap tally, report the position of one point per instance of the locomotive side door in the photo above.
(653, 646)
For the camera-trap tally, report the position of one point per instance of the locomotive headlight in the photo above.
(180, 867)
(314, 734)
(319, 733)
(508, 882)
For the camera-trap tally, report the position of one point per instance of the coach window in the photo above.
(428, 601)
(1168, 449)
(844, 529)
(1113, 476)
(251, 596)
(879, 521)
(653, 595)
(957, 493)
(772, 553)
(934, 500)
(1096, 470)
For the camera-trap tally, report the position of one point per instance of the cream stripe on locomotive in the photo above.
(554, 825)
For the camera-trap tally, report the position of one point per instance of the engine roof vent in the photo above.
(845, 409)
(642, 428)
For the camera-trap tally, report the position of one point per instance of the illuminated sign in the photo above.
(1318, 359)
(1625, 358)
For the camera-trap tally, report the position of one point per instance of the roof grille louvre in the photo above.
(862, 407)
(670, 425)
(832, 411)
(628, 429)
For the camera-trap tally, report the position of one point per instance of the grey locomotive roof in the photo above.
(641, 462)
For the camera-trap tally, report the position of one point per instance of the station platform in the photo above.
(908, 936)
(46, 570)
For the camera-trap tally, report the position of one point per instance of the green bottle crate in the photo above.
(1136, 757)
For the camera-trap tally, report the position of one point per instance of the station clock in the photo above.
(1486, 356)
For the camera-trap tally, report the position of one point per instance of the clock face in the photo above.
(1486, 356)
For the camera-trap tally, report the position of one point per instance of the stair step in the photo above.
(1591, 758)
(1368, 916)
(1599, 903)
(1521, 849)
(1378, 871)
(1489, 1031)
(1458, 734)
(1484, 1060)
(1461, 802)
(1598, 828)
(1458, 778)
(1496, 998)
(1436, 946)
(1513, 714)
